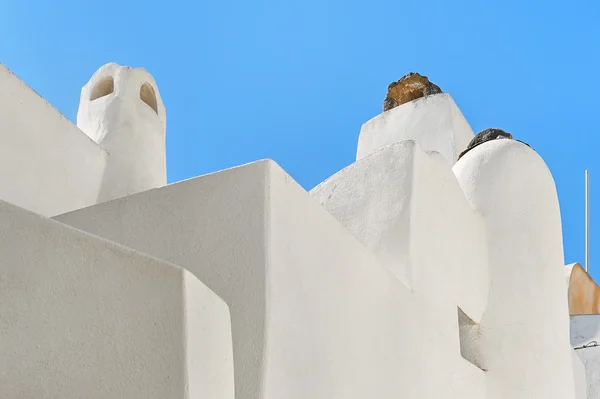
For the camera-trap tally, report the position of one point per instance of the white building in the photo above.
(404, 275)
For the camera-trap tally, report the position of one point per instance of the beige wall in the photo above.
(584, 293)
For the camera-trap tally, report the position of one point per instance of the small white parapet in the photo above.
(434, 122)
(81, 317)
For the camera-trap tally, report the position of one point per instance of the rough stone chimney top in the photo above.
(410, 87)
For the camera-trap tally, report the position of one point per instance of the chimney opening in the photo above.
(148, 96)
(104, 87)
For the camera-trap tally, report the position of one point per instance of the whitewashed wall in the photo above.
(47, 165)
(313, 313)
(81, 317)
(525, 327)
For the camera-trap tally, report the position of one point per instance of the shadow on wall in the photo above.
(470, 339)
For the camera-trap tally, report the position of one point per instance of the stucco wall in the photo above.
(47, 164)
(81, 317)
(434, 122)
(584, 293)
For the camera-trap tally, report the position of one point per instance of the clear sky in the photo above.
(293, 80)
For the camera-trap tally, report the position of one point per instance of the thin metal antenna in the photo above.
(587, 220)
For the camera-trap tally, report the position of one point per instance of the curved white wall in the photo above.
(121, 110)
(434, 122)
(525, 329)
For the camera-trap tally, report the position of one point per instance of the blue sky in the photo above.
(294, 80)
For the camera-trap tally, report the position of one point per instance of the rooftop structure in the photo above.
(410, 273)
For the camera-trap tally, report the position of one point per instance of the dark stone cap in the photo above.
(486, 135)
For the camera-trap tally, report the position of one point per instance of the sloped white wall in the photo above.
(47, 165)
(525, 325)
(121, 109)
(434, 122)
(81, 317)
